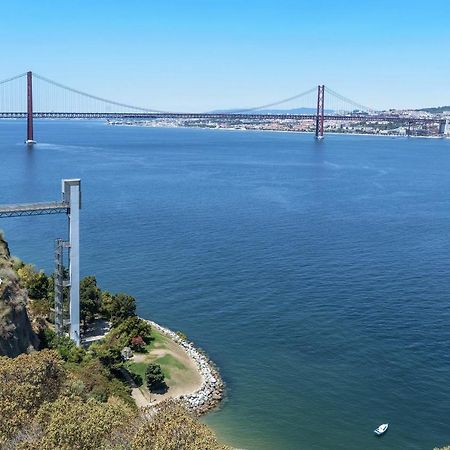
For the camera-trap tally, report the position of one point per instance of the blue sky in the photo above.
(206, 54)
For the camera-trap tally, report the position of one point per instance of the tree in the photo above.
(65, 347)
(154, 377)
(137, 344)
(109, 354)
(90, 296)
(120, 308)
(132, 327)
(106, 304)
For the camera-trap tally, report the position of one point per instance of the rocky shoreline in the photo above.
(211, 392)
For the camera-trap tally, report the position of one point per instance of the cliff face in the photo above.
(16, 334)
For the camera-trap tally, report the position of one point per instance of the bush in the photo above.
(36, 283)
(154, 377)
(173, 428)
(137, 344)
(97, 382)
(109, 354)
(72, 424)
(65, 347)
(46, 337)
(26, 383)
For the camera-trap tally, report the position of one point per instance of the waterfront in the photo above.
(314, 274)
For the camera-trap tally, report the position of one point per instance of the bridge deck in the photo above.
(216, 116)
(33, 209)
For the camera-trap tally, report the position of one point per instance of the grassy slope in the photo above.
(172, 359)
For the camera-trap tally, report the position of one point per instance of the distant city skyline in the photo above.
(203, 55)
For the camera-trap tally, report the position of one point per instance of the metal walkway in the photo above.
(33, 209)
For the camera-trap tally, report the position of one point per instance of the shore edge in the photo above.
(211, 392)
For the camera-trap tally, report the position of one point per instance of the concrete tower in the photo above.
(72, 197)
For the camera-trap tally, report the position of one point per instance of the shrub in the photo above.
(26, 383)
(137, 344)
(97, 382)
(72, 424)
(173, 428)
(64, 346)
(109, 354)
(36, 283)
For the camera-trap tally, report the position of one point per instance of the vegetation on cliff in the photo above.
(49, 404)
(16, 333)
(65, 397)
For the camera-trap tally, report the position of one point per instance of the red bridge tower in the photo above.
(320, 111)
(30, 140)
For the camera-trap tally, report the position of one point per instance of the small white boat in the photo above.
(381, 429)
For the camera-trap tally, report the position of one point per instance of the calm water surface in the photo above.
(315, 274)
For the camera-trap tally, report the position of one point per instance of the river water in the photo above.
(316, 275)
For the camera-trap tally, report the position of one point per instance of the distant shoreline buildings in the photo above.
(437, 124)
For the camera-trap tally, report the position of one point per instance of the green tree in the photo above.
(154, 377)
(106, 302)
(108, 353)
(121, 307)
(90, 296)
(133, 327)
(65, 347)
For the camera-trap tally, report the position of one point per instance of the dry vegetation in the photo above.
(46, 405)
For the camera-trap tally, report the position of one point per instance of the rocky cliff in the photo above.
(16, 334)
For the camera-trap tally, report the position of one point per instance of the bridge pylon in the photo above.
(320, 111)
(30, 140)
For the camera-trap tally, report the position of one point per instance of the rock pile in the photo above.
(212, 389)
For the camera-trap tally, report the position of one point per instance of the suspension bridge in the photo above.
(32, 96)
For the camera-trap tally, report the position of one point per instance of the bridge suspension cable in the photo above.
(276, 103)
(95, 97)
(13, 78)
(349, 101)
(52, 96)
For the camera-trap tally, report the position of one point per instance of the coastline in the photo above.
(211, 391)
(282, 131)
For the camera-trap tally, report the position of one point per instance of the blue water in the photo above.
(315, 274)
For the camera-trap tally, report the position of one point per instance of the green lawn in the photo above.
(158, 341)
(137, 367)
(168, 363)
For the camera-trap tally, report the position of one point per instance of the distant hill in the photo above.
(435, 110)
